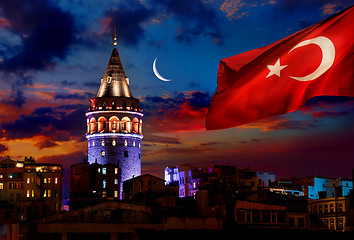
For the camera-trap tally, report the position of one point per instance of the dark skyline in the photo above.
(53, 55)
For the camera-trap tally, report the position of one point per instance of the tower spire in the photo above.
(115, 36)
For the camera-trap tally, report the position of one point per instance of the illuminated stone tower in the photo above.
(114, 123)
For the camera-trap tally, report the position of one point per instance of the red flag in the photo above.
(281, 77)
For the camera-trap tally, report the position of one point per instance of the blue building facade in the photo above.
(114, 123)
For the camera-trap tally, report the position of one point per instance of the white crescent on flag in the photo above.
(328, 55)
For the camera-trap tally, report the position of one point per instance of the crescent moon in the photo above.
(328, 54)
(157, 74)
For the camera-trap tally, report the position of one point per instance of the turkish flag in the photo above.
(281, 77)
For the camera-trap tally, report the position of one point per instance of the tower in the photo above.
(114, 123)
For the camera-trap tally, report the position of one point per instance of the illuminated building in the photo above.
(34, 189)
(331, 211)
(319, 187)
(191, 179)
(91, 183)
(114, 123)
(285, 187)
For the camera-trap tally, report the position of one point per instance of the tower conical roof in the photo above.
(114, 82)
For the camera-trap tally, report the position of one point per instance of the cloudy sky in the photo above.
(54, 53)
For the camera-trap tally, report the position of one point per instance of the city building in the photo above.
(320, 187)
(114, 123)
(145, 183)
(191, 179)
(331, 211)
(92, 183)
(265, 178)
(29, 190)
(285, 187)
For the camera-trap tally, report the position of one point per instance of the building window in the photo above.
(28, 180)
(1, 186)
(114, 143)
(104, 170)
(125, 143)
(1, 175)
(99, 170)
(32, 193)
(56, 180)
(104, 183)
(103, 153)
(49, 193)
(45, 180)
(45, 193)
(102, 143)
(93, 143)
(116, 181)
(133, 144)
(116, 170)
(28, 193)
(115, 194)
(126, 154)
(49, 180)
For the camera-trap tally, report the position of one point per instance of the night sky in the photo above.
(54, 53)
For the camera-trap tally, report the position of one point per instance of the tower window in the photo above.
(125, 143)
(104, 170)
(102, 143)
(113, 142)
(103, 153)
(133, 144)
(126, 154)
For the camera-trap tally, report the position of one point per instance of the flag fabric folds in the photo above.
(282, 76)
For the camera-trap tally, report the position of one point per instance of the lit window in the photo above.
(114, 143)
(93, 144)
(99, 170)
(133, 144)
(44, 180)
(115, 193)
(102, 143)
(56, 180)
(28, 180)
(32, 193)
(103, 153)
(125, 143)
(49, 192)
(116, 181)
(1, 176)
(19, 165)
(49, 180)
(1, 186)
(28, 193)
(116, 170)
(139, 145)
(104, 170)
(45, 193)
(104, 183)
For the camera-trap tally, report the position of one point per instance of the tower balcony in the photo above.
(115, 103)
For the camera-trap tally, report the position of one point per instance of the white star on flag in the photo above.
(275, 69)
